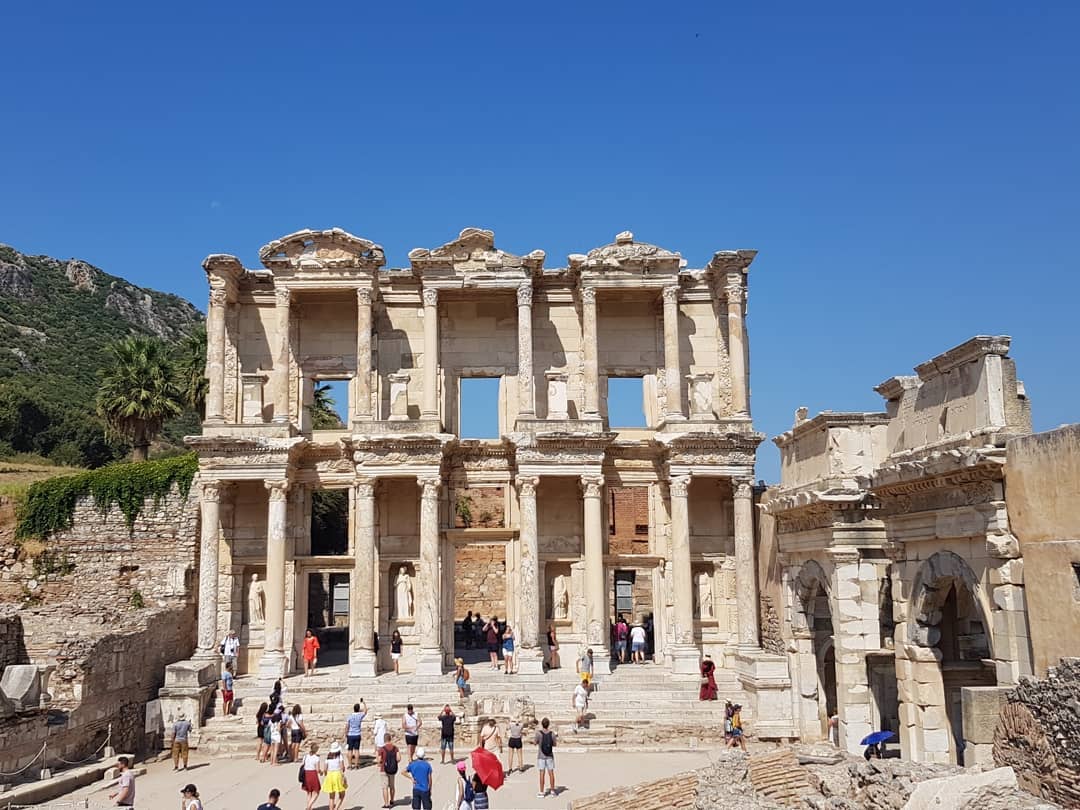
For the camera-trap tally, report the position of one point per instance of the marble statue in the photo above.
(403, 595)
(256, 597)
(705, 596)
(560, 598)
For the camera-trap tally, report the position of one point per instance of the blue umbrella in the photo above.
(877, 737)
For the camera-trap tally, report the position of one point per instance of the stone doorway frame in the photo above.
(304, 567)
(452, 540)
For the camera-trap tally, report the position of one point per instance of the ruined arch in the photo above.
(810, 585)
(943, 573)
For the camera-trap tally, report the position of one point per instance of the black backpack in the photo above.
(390, 761)
(547, 742)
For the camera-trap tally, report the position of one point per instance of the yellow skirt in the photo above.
(334, 782)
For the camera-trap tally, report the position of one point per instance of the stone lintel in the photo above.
(969, 351)
(830, 419)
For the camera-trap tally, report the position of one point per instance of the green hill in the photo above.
(57, 319)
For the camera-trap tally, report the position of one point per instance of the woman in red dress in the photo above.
(708, 680)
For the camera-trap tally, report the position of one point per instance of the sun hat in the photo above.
(420, 752)
(335, 748)
(461, 766)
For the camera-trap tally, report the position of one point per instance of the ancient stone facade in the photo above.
(325, 308)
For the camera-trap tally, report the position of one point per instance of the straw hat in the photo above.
(335, 748)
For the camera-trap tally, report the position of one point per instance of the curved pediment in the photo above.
(625, 254)
(474, 250)
(321, 250)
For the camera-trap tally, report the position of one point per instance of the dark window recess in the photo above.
(329, 522)
(641, 528)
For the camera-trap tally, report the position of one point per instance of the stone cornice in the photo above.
(830, 419)
(780, 501)
(894, 387)
(968, 351)
(731, 261)
(311, 250)
(624, 255)
(938, 470)
(474, 253)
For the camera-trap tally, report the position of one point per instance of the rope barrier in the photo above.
(26, 767)
(100, 748)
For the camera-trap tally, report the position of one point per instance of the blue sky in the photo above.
(909, 173)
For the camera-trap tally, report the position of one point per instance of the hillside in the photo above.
(57, 319)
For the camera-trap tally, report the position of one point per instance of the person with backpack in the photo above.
(387, 758)
(464, 793)
(622, 631)
(545, 756)
(480, 793)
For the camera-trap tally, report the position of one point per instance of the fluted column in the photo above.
(428, 617)
(596, 607)
(282, 372)
(746, 566)
(736, 294)
(589, 351)
(672, 375)
(274, 662)
(526, 396)
(684, 651)
(362, 409)
(210, 540)
(531, 657)
(215, 356)
(430, 407)
(362, 584)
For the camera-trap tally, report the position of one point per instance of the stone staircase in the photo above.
(637, 706)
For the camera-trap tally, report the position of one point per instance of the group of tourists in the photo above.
(635, 635)
(497, 636)
(279, 728)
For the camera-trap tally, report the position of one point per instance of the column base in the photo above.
(429, 662)
(213, 654)
(362, 664)
(601, 662)
(273, 665)
(685, 660)
(766, 680)
(530, 661)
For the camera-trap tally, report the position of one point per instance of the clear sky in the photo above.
(908, 172)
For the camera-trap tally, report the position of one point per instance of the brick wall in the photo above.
(480, 581)
(487, 506)
(628, 520)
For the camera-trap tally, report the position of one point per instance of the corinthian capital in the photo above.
(211, 491)
(365, 488)
(431, 297)
(429, 485)
(680, 486)
(588, 295)
(734, 289)
(671, 294)
(282, 296)
(591, 485)
(524, 295)
(742, 487)
(526, 485)
(278, 490)
(363, 296)
(218, 297)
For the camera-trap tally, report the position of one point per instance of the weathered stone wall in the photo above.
(12, 647)
(480, 581)
(676, 791)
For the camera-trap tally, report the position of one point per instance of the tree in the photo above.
(191, 370)
(324, 415)
(138, 392)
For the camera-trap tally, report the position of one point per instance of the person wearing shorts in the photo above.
(508, 650)
(514, 731)
(410, 724)
(621, 632)
(354, 727)
(446, 740)
(637, 644)
(227, 690)
(395, 651)
(545, 756)
(387, 779)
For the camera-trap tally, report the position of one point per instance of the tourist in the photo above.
(649, 647)
(491, 636)
(461, 677)
(467, 636)
(514, 732)
(180, 730)
(545, 741)
(386, 756)
(553, 648)
(580, 702)
(463, 793)
(419, 773)
(737, 737)
(729, 710)
(230, 648)
(446, 741)
(508, 649)
(490, 739)
(622, 630)
(478, 630)
(277, 696)
(262, 717)
(297, 732)
(125, 781)
(380, 731)
(637, 644)
(311, 652)
(354, 728)
(411, 724)
(190, 798)
(708, 679)
(395, 651)
(271, 802)
(276, 720)
(480, 795)
(334, 783)
(585, 668)
(227, 690)
(312, 784)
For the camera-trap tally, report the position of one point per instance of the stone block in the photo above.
(1010, 597)
(926, 672)
(904, 669)
(857, 714)
(981, 707)
(936, 740)
(1009, 572)
(930, 694)
(934, 717)
(959, 790)
(1008, 672)
(21, 685)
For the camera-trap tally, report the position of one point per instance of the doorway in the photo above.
(328, 615)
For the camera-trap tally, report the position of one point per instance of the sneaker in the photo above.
(541, 795)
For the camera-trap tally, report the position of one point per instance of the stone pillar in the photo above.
(428, 614)
(362, 585)
(672, 376)
(526, 397)
(430, 406)
(589, 351)
(596, 610)
(210, 505)
(531, 654)
(215, 356)
(362, 409)
(684, 653)
(736, 294)
(275, 662)
(746, 566)
(282, 373)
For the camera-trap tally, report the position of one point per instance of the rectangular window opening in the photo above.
(478, 408)
(329, 404)
(329, 522)
(626, 402)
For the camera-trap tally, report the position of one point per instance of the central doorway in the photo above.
(481, 584)
(328, 615)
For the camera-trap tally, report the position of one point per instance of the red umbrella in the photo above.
(486, 764)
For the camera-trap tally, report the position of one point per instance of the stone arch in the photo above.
(810, 584)
(942, 572)
(815, 652)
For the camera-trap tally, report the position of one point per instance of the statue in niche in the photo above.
(403, 594)
(256, 600)
(560, 598)
(705, 596)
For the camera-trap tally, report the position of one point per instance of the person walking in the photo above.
(386, 756)
(334, 783)
(354, 728)
(180, 730)
(125, 782)
(729, 710)
(467, 637)
(585, 668)
(461, 677)
(297, 732)
(227, 690)
(708, 679)
(311, 652)
(463, 792)
(380, 732)
(637, 644)
(514, 732)
(411, 724)
(276, 722)
(622, 631)
(262, 716)
(446, 741)
(189, 798)
(491, 635)
(312, 784)
(545, 741)
(419, 773)
(553, 647)
(508, 650)
(580, 702)
(395, 651)
(230, 648)
(480, 793)
(737, 737)
(490, 739)
(271, 802)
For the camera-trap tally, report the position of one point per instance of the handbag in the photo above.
(301, 775)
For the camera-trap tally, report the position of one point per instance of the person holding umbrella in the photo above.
(488, 768)
(875, 744)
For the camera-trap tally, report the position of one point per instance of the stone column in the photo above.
(531, 655)
(526, 399)
(282, 373)
(430, 406)
(596, 608)
(684, 654)
(672, 376)
(589, 352)
(428, 615)
(736, 294)
(362, 409)
(362, 585)
(275, 662)
(746, 566)
(215, 356)
(210, 505)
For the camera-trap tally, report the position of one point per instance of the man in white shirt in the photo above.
(230, 648)
(580, 702)
(379, 732)
(637, 644)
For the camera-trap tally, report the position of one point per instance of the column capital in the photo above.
(218, 297)
(525, 294)
(588, 295)
(431, 296)
(671, 294)
(282, 296)
(363, 296)
(591, 485)
(278, 489)
(527, 484)
(429, 484)
(211, 491)
(365, 487)
(734, 290)
(679, 486)
(742, 487)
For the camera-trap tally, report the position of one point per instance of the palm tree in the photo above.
(324, 415)
(191, 370)
(137, 392)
